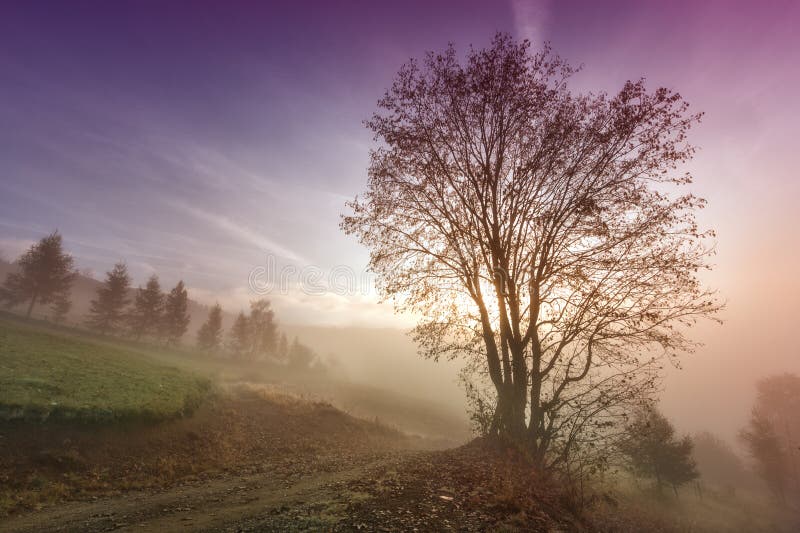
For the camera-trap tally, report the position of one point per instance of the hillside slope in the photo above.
(46, 376)
(244, 431)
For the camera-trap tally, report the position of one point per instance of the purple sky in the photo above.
(192, 138)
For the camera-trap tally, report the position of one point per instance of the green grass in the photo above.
(50, 375)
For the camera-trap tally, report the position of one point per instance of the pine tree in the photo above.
(210, 334)
(283, 348)
(300, 356)
(263, 330)
(240, 338)
(107, 311)
(45, 275)
(145, 317)
(61, 307)
(176, 314)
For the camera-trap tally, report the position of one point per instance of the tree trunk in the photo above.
(510, 419)
(536, 421)
(30, 306)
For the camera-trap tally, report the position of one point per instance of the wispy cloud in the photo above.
(238, 231)
(11, 249)
(530, 19)
(294, 307)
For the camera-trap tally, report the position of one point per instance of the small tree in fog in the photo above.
(45, 276)
(61, 308)
(283, 348)
(767, 451)
(263, 330)
(536, 231)
(653, 450)
(772, 435)
(107, 310)
(717, 462)
(239, 337)
(209, 336)
(779, 401)
(300, 356)
(148, 306)
(175, 320)
(481, 406)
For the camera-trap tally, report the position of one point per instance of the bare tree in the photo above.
(534, 230)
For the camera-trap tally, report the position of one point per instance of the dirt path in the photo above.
(233, 503)
(479, 487)
(253, 463)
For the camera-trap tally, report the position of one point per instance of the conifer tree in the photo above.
(240, 338)
(263, 330)
(176, 314)
(145, 317)
(107, 311)
(300, 356)
(210, 334)
(60, 308)
(45, 275)
(283, 348)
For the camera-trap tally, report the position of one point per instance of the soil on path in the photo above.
(259, 462)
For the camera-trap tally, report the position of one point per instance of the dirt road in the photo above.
(243, 462)
(257, 502)
(254, 463)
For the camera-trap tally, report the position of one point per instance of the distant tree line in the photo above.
(649, 448)
(771, 438)
(254, 336)
(154, 314)
(45, 276)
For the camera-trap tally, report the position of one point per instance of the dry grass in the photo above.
(243, 431)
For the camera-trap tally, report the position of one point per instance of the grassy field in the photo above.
(47, 375)
(59, 372)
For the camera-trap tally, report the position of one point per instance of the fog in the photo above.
(200, 202)
(386, 358)
(712, 390)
